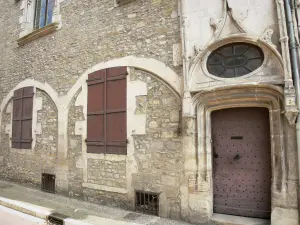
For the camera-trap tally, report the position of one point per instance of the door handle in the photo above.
(237, 156)
(216, 155)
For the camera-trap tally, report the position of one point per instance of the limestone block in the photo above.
(9, 107)
(282, 216)
(38, 128)
(73, 143)
(79, 163)
(79, 127)
(177, 53)
(8, 129)
(39, 103)
(170, 181)
(174, 116)
(80, 100)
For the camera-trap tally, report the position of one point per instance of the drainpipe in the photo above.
(295, 68)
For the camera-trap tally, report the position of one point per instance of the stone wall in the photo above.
(92, 32)
(75, 170)
(158, 153)
(27, 165)
(157, 156)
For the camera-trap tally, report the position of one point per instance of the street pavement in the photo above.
(12, 217)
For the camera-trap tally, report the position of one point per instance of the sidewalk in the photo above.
(40, 204)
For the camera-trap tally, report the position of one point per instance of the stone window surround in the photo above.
(201, 186)
(36, 127)
(27, 22)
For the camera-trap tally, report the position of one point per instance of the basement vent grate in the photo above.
(147, 202)
(123, 2)
(48, 182)
(56, 219)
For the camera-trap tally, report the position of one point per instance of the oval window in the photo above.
(235, 60)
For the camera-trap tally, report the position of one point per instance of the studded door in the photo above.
(242, 162)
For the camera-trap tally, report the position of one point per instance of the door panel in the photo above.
(242, 162)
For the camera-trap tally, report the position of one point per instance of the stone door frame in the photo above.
(199, 190)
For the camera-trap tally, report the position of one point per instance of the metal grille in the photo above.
(56, 219)
(147, 202)
(123, 2)
(48, 182)
(242, 162)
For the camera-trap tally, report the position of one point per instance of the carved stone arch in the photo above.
(45, 87)
(30, 82)
(155, 67)
(199, 78)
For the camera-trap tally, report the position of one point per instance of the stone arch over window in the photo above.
(37, 104)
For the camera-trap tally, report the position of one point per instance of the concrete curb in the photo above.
(43, 213)
(35, 211)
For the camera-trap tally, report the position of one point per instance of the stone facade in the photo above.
(165, 45)
(23, 165)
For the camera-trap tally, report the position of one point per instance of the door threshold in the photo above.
(237, 220)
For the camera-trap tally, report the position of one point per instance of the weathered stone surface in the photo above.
(284, 216)
(27, 165)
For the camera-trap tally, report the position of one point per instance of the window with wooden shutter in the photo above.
(22, 118)
(106, 111)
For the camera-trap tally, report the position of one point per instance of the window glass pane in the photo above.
(234, 60)
(50, 11)
(43, 13)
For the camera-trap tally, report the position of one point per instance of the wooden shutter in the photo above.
(22, 118)
(106, 111)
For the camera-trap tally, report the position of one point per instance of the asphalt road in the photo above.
(12, 217)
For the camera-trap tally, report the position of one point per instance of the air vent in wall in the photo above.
(56, 219)
(48, 182)
(147, 202)
(123, 2)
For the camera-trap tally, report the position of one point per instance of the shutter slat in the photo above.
(106, 114)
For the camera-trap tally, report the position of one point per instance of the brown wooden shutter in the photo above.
(106, 111)
(22, 118)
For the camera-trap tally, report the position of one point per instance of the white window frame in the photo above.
(27, 16)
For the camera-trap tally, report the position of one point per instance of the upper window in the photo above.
(106, 111)
(43, 13)
(235, 60)
(22, 118)
(39, 18)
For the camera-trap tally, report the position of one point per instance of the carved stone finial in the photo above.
(267, 36)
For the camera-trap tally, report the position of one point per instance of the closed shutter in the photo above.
(106, 111)
(22, 118)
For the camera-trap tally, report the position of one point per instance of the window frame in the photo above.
(233, 44)
(27, 21)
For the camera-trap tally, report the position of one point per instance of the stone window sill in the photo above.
(38, 33)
